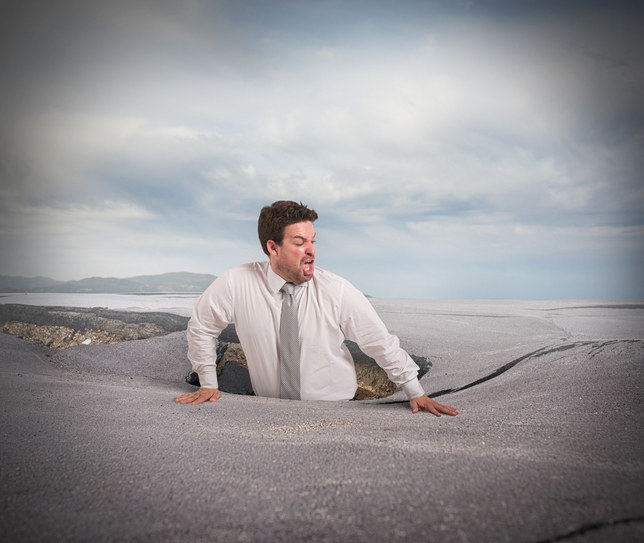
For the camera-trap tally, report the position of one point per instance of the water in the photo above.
(175, 303)
(435, 321)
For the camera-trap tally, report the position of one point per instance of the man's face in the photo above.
(294, 259)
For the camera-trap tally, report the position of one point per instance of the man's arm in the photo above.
(210, 316)
(200, 396)
(361, 324)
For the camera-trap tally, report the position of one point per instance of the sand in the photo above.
(548, 445)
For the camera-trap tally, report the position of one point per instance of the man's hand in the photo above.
(200, 396)
(424, 403)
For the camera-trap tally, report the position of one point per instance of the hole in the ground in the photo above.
(62, 327)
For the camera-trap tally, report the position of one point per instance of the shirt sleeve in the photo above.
(361, 323)
(211, 314)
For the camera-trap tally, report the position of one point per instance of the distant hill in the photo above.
(11, 283)
(166, 282)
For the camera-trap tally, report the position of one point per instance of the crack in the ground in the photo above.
(597, 347)
(535, 354)
(592, 528)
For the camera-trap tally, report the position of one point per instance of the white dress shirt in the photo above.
(330, 311)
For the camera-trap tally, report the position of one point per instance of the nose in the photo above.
(310, 249)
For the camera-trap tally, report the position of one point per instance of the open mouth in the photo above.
(308, 267)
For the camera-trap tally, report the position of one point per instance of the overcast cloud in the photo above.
(452, 148)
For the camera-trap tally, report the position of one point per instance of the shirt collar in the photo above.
(275, 282)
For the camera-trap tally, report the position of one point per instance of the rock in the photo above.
(62, 327)
(82, 318)
(372, 380)
(233, 353)
(61, 337)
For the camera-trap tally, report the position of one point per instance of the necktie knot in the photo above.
(288, 288)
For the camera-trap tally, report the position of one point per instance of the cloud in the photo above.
(479, 134)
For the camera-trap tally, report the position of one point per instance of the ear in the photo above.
(272, 247)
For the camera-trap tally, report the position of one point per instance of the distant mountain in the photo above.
(12, 283)
(166, 282)
(174, 282)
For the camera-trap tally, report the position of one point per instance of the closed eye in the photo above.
(299, 241)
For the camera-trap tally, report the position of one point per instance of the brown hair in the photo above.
(275, 218)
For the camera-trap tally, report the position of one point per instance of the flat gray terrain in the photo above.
(548, 445)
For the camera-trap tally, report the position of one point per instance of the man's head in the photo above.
(287, 236)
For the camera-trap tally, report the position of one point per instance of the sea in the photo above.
(409, 318)
(175, 303)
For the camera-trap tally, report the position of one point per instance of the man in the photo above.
(292, 320)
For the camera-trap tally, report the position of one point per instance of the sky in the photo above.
(452, 149)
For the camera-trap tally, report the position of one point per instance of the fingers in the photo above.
(187, 398)
(451, 411)
(439, 408)
(199, 396)
(427, 404)
(215, 395)
(184, 398)
(432, 409)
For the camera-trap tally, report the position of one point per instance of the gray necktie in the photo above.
(289, 346)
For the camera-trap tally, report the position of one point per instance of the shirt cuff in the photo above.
(208, 377)
(413, 389)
